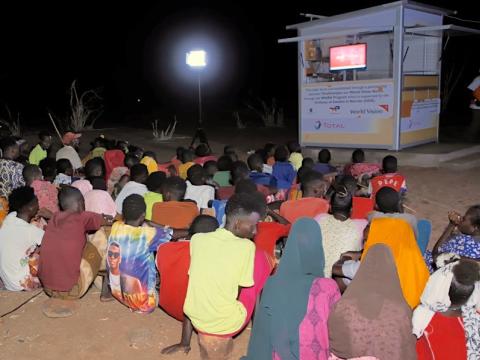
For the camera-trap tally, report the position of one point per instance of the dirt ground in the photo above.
(110, 331)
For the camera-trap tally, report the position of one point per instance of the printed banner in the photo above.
(423, 115)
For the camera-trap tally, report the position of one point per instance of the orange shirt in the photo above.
(175, 214)
(305, 207)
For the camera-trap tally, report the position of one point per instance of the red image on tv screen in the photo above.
(348, 57)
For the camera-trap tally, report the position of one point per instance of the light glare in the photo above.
(197, 58)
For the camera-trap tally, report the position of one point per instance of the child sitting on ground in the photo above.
(49, 169)
(150, 161)
(284, 172)
(222, 176)
(196, 188)
(255, 163)
(46, 192)
(389, 177)
(187, 162)
(154, 185)
(359, 167)
(18, 242)
(323, 166)
(211, 169)
(64, 172)
(296, 157)
(130, 260)
(136, 185)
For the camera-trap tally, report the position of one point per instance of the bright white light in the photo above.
(197, 58)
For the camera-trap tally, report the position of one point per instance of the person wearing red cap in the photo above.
(69, 151)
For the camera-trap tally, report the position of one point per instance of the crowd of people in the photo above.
(322, 258)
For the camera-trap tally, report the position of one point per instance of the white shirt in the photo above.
(473, 86)
(68, 152)
(115, 283)
(130, 188)
(202, 194)
(17, 241)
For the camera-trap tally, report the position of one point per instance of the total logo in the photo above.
(328, 125)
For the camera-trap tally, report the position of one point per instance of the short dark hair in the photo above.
(131, 160)
(358, 156)
(150, 154)
(308, 162)
(139, 173)
(349, 182)
(324, 156)
(30, 172)
(465, 274)
(176, 186)
(203, 224)
(179, 152)
(67, 196)
(239, 171)
(310, 179)
(294, 146)
(20, 197)
(210, 167)
(187, 156)
(245, 186)
(255, 161)
(49, 167)
(202, 150)
(7, 143)
(133, 207)
(389, 164)
(341, 200)
(98, 183)
(63, 165)
(155, 181)
(224, 163)
(93, 165)
(281, 153)
(244, 205)
(228, 149)
(302, 173)
(196, 175)
(388, 200)
(43, 135)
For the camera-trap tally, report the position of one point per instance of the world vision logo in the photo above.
(384, 107)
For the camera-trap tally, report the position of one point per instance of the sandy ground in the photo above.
(110, 331)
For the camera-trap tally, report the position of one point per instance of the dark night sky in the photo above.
(129, 50)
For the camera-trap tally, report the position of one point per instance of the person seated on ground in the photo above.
(154, 194)
(446, 322)
(49, 169)
(187, 162)
(173, 261)
(460, 237)
(136, 185)
(372, 319)
(296, 157)
(64, 172)
(130, 261)
(98, 200)
(388, 203)
(231, 152)
(389, 177)
(358, 167)
(19, 241)
(177, 159)
(150, 161)
(196, 188)
(291, 320)
(114, 158)
(211, 169)
(117, 189)
(83, 185)
(296, 192)
(323, 166)
(398, 235)
(119, 171)
(213, 305)
(69, 150)
(308, 163)
(68, 262)
(269, 159)
(45, 191)
(136, 151)
(340, 233)
(239, 172)
(312, 202)
(174, 211)
(283, 171)
(203, 154)
(39, 152)
(95, 168)
(99, 147)
(255, 163)
(10, 170)
(222, 176)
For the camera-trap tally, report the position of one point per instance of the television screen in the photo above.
(347, 57)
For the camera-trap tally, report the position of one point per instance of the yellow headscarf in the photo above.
(398, 235)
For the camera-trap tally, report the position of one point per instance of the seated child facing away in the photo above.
(323, 166)
(196, 188)
(64, 172)
(18, 242)
(283, 171)
(296, 157)
(154, 185)
(389, 177)
(136, 185)
(68, 262)
(255, 163)
(211, 169)
(45, 191)
(150, 161)
(130, 261)
(359, 167)
(187, 162)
